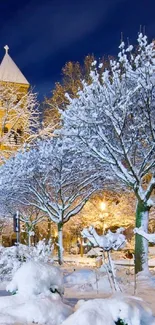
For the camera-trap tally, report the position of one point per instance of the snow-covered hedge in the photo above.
(11, 258)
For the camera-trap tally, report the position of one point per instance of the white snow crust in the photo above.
(108, 311)
(34, 301)
(33, 278)
(87, 280)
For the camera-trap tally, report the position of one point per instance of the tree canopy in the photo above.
(113, 121)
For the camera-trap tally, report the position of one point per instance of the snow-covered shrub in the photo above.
(113, 311)
(120, 322)
(34, 278)
(35, 300)
(9, 262)
(11, 258)
(42, 252)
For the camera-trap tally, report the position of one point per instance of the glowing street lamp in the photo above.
(102, 208)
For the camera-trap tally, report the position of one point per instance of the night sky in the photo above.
(44, 34)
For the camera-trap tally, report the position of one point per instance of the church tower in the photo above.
(10, 73)
(13, 90)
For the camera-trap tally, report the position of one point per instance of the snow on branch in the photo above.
(51, 177)
(141, 232)
(107, 242)
(112, 119)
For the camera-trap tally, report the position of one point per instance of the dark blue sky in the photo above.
(44, 34)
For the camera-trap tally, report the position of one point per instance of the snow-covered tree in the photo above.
(108, 242)
(30, 217)
(51, 178)
(19, 118)
(113, 120)
(4, 224)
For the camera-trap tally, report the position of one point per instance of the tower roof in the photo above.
(9, 71)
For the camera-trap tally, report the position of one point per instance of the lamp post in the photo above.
(16, 225)
(102, 208)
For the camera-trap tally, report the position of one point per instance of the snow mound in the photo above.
(6, 319)
(42, 309)
(108, 311)
(33, 278)
(34, 302)
(87, 280)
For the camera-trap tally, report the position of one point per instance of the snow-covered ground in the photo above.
(42, 309)
(108, 311)
(34, 301)
(87, 281)
(87, 288)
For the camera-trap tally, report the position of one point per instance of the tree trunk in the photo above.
(81, 246)
(141, 244)
(60, 243)
(29, 239)
(49, 229)
(1, 240)
(34, 237)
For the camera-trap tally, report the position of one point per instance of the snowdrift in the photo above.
(35, 301)
(109, 311)
(33, 278)
(87, 280)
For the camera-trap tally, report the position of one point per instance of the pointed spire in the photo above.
(9, 71)
(6, 49)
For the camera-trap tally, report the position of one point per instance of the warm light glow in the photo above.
(102, 206)
(55, 232)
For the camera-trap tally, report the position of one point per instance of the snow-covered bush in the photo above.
(35, 300)
(11, 258)
(9, 262)
(112, 311)
(42, 251)
(34, 278)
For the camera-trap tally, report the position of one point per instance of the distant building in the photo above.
(13, 87)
